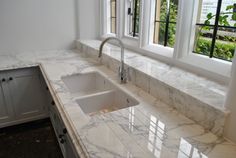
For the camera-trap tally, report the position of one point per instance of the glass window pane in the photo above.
(173, 10)
(227, 17)
(113, 8)
(159, 33)
(113, 16)
(162, 7)
(203, 40)
(113, 25)
(207, 12)
(134, 6)
(171, 35)
(161, 10)
(225, 44)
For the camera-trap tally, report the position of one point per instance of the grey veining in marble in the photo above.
(150, 129)
(196, 97)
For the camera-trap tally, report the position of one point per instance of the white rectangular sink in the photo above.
(106, 102)
(86, 83)
(96, 95)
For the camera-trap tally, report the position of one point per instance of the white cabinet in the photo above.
(26, 93)
(22, 96)
(6, 111)
(64, 139)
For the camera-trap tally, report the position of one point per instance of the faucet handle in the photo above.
(123, 75)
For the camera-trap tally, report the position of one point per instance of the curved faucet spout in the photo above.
(109, 39)
(122, 71)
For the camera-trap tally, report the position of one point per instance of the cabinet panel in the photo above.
(6, 112)
(27, 95)
(70, 151)
(65, 142)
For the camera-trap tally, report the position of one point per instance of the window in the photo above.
(193, 28)
(133, 13)
(113, 16)
(165, 22)
(216, 29)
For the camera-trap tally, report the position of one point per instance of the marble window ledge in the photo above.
(150, 130)
(196, 97)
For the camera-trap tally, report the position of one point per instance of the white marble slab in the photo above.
(196, 97)
(150, 129)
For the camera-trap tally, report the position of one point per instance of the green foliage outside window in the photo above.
(226, 40)
(223, 50)
(225, 44)
(173, 18)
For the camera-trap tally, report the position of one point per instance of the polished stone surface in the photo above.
(30, 140)
(197, 98)
(150, 129)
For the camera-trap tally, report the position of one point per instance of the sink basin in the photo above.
(95, 94)
(87, 83)
(106, 102)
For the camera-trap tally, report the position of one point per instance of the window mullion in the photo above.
(111, 16)
(135, 17)
(155, 22)
(215, 28)
(167, 22)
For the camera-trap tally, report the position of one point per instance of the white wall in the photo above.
(37, 24)
(89, 19)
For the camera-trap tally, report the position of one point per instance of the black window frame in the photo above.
(215, 27)
(135, 17)
(167, 22)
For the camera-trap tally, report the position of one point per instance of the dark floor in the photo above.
(31, 140)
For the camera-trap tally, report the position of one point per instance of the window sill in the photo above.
(108, 35)
(216, 68)
(212, 68)
(159, 50)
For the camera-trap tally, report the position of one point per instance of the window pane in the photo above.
(161, 10)
(162, 35)
(227, 17)
(173, 10)
(159, 35)
(225, 44)
(113, 8)
(113, 25)
(113, 16)
(203, 40)
(133, 17)
(171, 35)
(137, 17)
(207, 11)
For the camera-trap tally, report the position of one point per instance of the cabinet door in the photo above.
(6, 112)
(64, 140)
(58, 127)
(27, 94)
(70, 150)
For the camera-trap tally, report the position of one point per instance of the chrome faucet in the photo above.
(122, 71)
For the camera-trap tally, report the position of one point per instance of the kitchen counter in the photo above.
(150, 129)
(196, 97)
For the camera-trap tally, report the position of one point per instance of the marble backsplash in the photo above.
(197, 98)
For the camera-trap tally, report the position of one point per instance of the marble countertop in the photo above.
(150, 129)
(210, 92)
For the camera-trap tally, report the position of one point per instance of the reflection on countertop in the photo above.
(149, 129)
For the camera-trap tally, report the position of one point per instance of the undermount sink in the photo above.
(87, 83)
(106, 102)
(96, 95)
